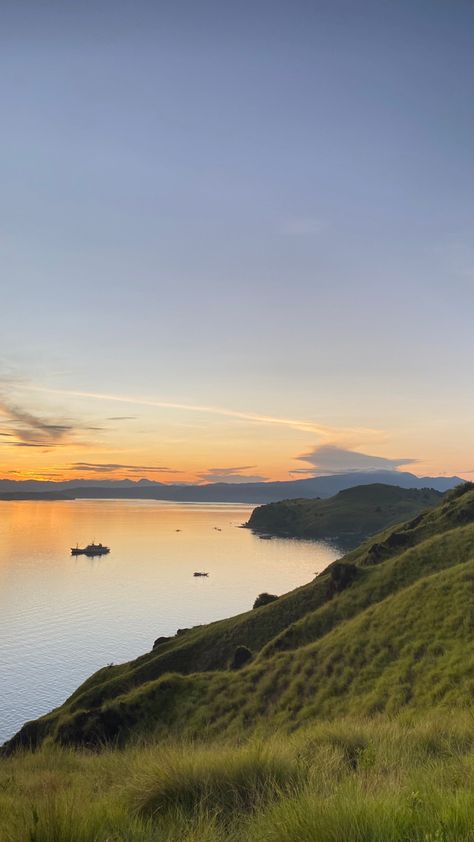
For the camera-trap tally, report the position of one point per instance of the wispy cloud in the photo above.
(32, 430)
(121, 418)
(330, 459)
(111, 467)
(29, 444)
(325, 432)
(233, 475)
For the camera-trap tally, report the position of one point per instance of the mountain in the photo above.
(389, 626)
(349, 516)
(252, 492)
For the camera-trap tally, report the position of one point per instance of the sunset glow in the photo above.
(169, 441)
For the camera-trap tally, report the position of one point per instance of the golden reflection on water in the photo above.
(62, 617)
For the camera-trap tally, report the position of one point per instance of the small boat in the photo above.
(91, 550)
(197, 573)
(266, 537)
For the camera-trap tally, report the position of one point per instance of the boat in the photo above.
(197, 573)
(90, 550)
(266, 537)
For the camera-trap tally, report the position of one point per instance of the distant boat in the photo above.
(266, 537)
(90, 550)
(197, 573)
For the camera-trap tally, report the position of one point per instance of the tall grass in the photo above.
(379, 780)
(224, 779)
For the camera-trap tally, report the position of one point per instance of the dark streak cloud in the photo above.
(110, 467)
(26, 444)
(30, 429)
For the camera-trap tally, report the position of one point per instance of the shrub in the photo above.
(242, 655)
(459, 491)
(264, 599)
(341, 576)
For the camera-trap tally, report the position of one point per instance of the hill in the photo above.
(349, 516)
(351, 718)
(388, 626)
(242, 492)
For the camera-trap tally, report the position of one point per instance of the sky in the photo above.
(236, 240)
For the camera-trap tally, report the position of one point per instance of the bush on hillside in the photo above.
(160, 640)
(264, 599)
(242, 656)
(341, 576)
(459, 491)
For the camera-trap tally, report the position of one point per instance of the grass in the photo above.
(384, 779)
(222, 779)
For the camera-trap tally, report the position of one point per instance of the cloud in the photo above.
(31, 430)
(232, 475)
(302, 425)
(22, 444)
(110, 467)
(306, 471)
(24, 475)
(122, 418)
(330, 459)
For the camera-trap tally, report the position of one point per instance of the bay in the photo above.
(63, 617)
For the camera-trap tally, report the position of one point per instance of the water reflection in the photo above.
(63, 616)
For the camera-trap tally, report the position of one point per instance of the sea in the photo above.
(62, 617)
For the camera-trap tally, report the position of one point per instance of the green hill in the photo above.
(351, 719)
(349, 516)
(388, 626)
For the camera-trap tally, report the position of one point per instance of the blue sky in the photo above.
(261, 207)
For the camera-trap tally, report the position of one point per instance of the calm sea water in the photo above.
(63, 617)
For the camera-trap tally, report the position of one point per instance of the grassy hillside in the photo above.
(352, 720)
(388, 626)
(356, 780)
(348, 516)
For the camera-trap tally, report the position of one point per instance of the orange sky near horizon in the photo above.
(64, 434)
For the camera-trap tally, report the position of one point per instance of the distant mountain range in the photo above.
(219, 492)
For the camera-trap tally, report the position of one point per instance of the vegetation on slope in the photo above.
(348, 516)
(389, 626)
(383, 780)
(350, 718)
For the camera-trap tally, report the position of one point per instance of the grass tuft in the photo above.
(221, 779)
